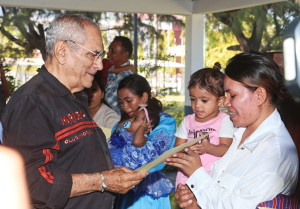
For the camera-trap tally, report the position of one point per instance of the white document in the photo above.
(169, 153)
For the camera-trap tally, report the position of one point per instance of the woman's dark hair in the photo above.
(255, 70)
(209, 79)
(100, 81)
(138, 85)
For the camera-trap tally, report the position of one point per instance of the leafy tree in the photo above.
(258, 28)
(217, 42)
(26, 27)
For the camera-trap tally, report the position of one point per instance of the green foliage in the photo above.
(252, 29)
(173, 107)
(217, 43)
(174, 205)
(10, 79)
(257, 28)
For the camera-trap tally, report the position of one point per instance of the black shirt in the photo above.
(55, 134)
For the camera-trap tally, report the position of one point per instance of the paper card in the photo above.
(169, 153)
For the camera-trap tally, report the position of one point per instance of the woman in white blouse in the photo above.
(262, 160)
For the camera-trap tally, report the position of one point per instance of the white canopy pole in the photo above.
(195, 51)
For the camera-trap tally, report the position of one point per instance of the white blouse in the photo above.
(265, 165)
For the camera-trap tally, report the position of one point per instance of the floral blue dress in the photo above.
(153, 191)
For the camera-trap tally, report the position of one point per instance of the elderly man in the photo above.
(66, 156)
(119, 53)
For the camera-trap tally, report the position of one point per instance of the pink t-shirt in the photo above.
(196, 129)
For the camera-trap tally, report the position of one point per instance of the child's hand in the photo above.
(201, 148)
(146, 125)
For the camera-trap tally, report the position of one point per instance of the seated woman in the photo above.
(103, 115)
(262, 161)
(154, 190)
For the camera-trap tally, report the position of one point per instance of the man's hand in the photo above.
(121, 180)
(118, 180)
(185, 197)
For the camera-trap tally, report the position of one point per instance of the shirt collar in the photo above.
(124, 64)
(269, 124)
(61, 90)
(55, 84)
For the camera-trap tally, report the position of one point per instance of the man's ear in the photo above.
(60, 49)
(261, 95)
(145, 97)
(221, 101)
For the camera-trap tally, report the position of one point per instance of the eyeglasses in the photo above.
(95, 54)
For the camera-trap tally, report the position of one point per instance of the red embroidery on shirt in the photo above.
(72, 117)
(47, 175)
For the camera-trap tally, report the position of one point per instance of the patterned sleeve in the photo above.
(159, 140)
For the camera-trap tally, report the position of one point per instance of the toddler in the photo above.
(207, 95)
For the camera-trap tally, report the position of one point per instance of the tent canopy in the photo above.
(180, 7)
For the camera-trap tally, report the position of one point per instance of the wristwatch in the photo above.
(103, 184)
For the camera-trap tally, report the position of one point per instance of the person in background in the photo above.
(120, 51)
(206, 89)
(133, 91)
(262, 161)
(66, 156)
(116, 70)
(4, 89)
(102, 114)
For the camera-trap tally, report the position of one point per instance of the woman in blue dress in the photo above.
(153, 192)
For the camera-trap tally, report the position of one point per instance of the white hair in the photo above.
(67, 27)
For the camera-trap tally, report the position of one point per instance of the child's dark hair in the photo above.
(209, 79)
(153, 113)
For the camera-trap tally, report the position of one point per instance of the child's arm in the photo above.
(123, 68)
(179, 141)
(181, 134)
(139, 139)
(216, 150)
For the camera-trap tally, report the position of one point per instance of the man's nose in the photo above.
(98, 64)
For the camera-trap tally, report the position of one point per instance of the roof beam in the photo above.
(180, 7)
(213, 6)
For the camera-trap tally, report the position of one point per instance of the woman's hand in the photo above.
(188, 161)
(185, 197)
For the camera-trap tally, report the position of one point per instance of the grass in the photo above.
(174, 106)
